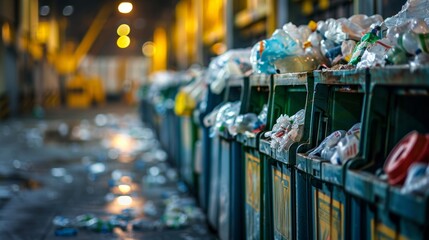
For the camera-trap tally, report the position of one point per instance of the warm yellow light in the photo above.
(123, 30)
(42, 33)
(126, 179)
(122, 142)
(125, 7)
(218, 48)
(124, 200)
(6, 33)
(123, 41)
(124, 188)
(148, 49)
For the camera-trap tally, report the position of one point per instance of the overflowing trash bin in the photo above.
(257, 94)
(289, 120)
(300, 145)
(381, 181)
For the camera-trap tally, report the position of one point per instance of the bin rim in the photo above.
(400, 75)
(346, 76)
(262, 80)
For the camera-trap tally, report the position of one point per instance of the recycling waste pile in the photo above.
(101, 177)
(317, 132)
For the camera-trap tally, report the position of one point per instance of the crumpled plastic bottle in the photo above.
(375, 54)
(366, 41)
(328, 143)
(348, 146)
(286, 131)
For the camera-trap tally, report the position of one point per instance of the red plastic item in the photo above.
(413, 148)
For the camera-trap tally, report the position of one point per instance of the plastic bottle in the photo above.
(367, 40)
(408, 42)
(420, 59)
(347, 49)
(348, 146)
(329, 142)
(396, 56)
(418, 25)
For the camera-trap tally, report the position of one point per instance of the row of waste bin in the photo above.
(251, 189)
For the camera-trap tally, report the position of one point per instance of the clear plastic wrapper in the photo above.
(233, 63)
(411, 9)
(249, 122)
(225, 117)
(266, 52)
(417, 181)
(347, 49)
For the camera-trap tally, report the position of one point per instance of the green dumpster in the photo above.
(229, 211)
(398, 104)
(338, 104)
(257, 94)
(288, 195)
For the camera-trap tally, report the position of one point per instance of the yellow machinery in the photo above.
(83, 92)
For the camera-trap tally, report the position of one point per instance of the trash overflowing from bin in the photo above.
(249, 124)
(286, 131)
(224, 117)
(232, 64)
(339, 146)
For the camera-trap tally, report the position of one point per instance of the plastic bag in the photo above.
(266, 52)
(225, 117)
(233, 63)
(249, 122)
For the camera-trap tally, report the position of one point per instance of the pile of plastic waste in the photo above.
(222, 118)
(359, 41)
(286, 131)
(339, 146)
(249, 123)
(233, 63)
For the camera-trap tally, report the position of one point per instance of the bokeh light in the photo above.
(68, 10)
(148, 49)
(125, 7)
(123, 42)
(124, 200)
(124, 188)
(123, 30)
(44, 10)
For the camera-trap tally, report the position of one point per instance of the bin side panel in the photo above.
(253, 196)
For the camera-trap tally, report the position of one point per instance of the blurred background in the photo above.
(77, 53)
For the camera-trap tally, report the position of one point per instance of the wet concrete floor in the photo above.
(91, 174)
